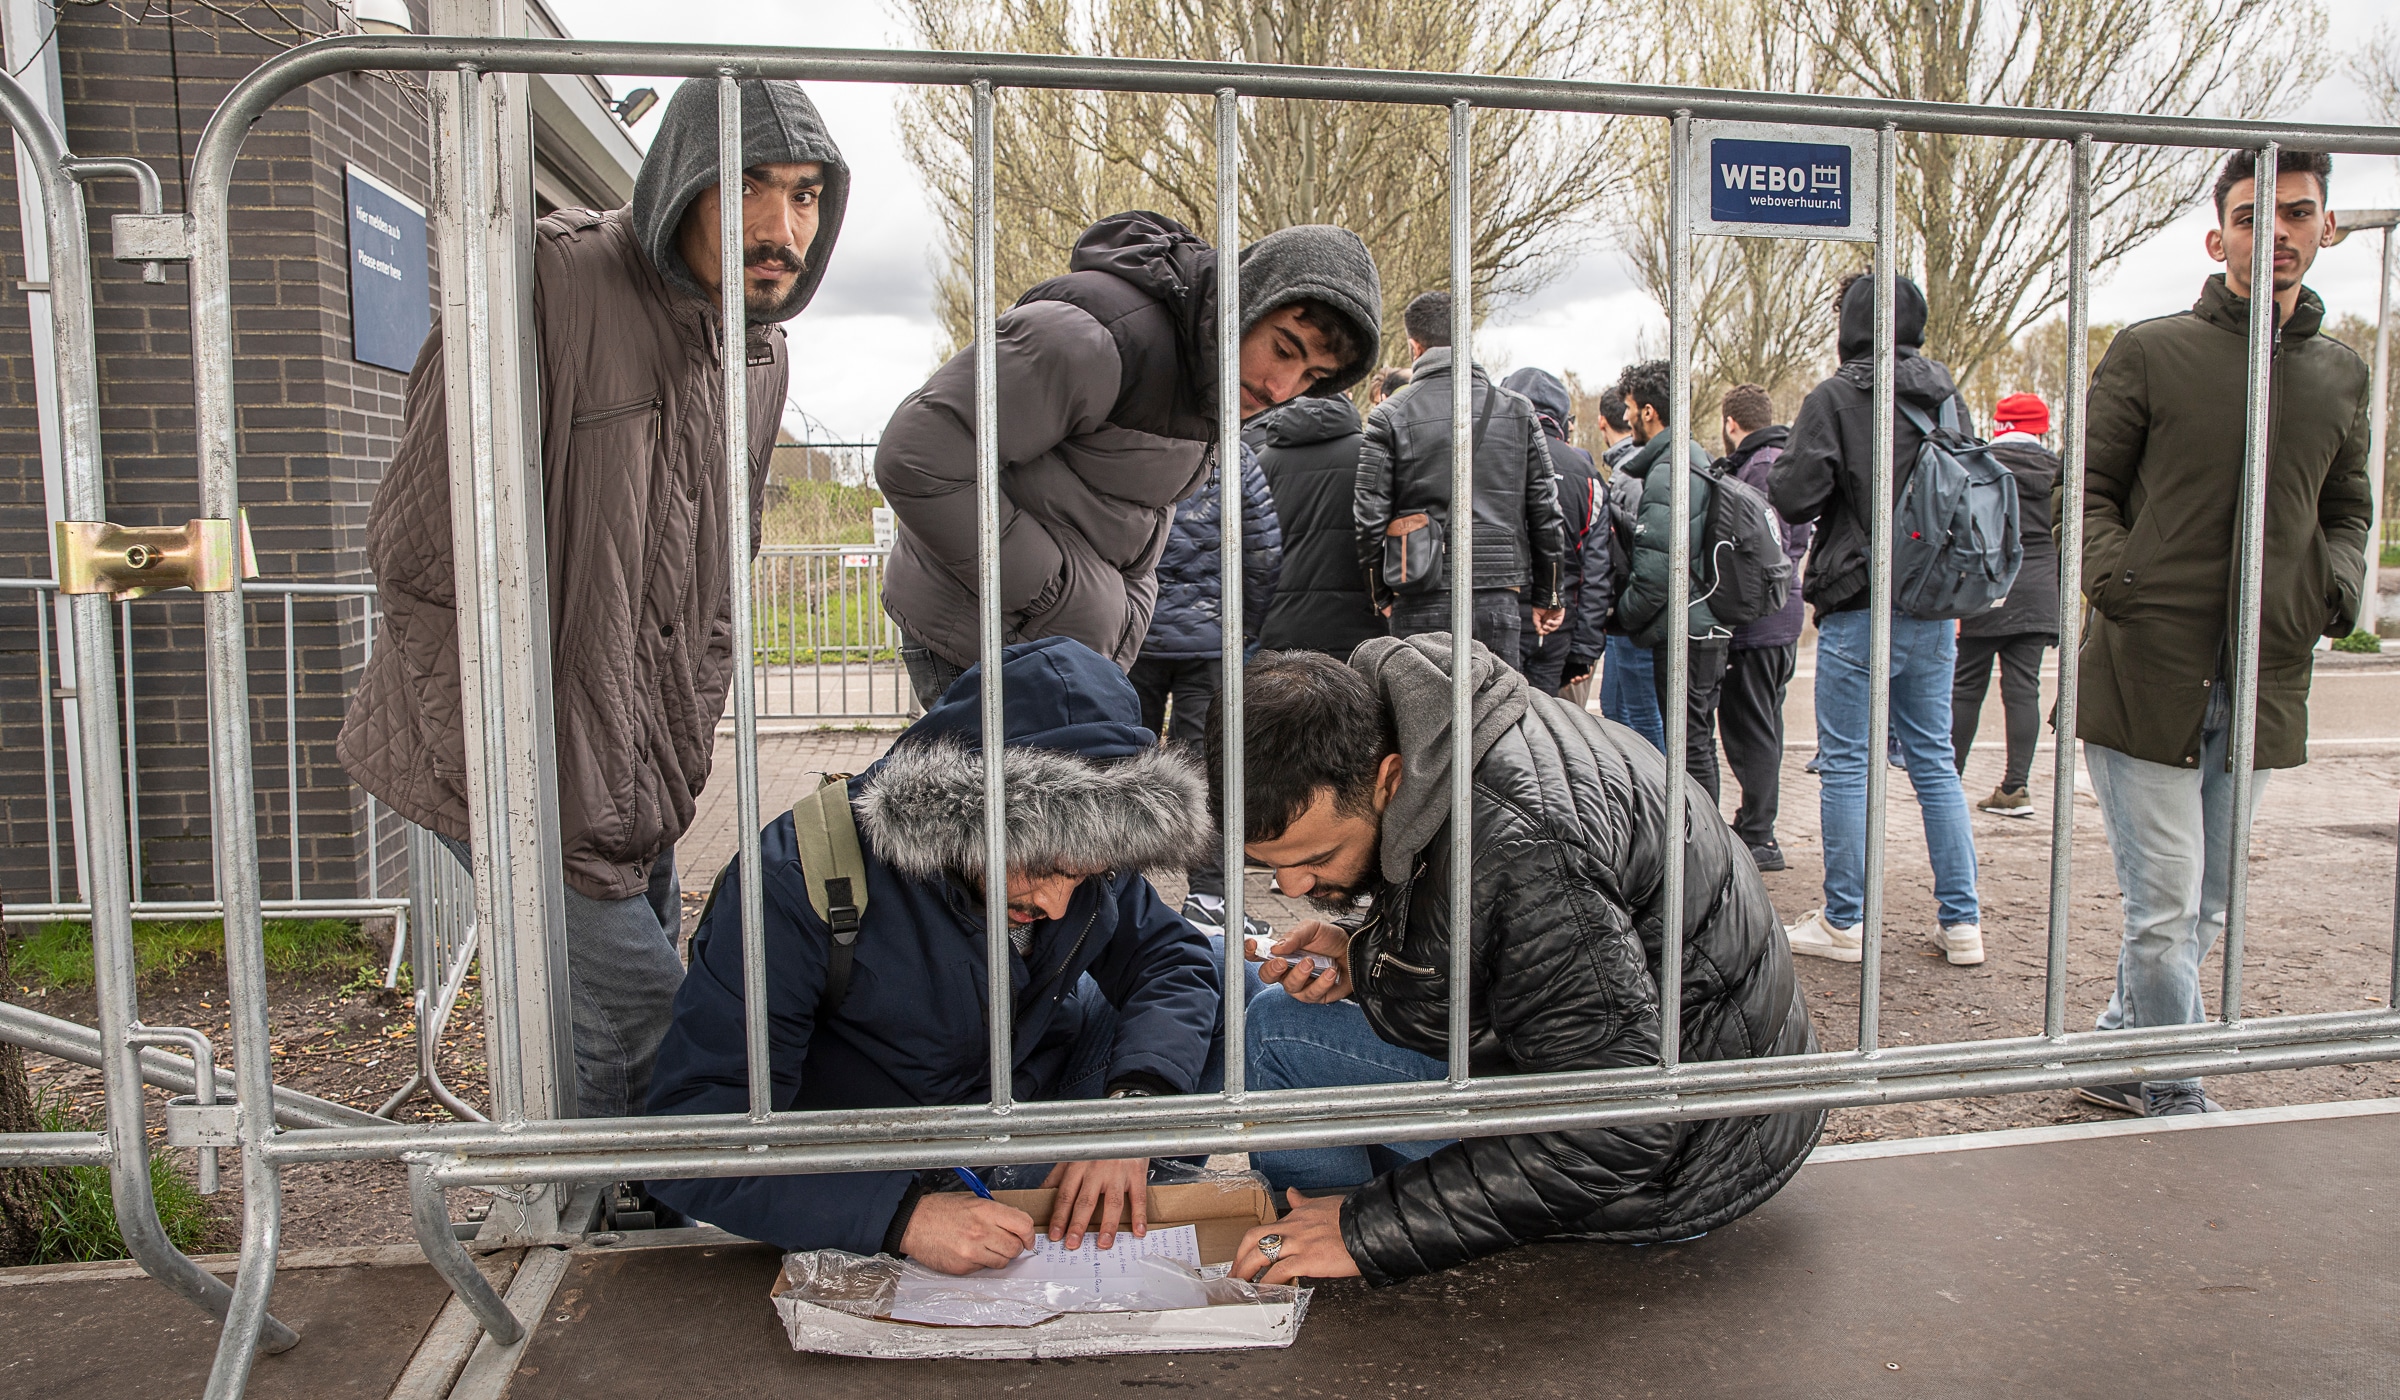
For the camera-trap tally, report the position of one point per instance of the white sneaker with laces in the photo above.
(1962, 944)
(1819, 937)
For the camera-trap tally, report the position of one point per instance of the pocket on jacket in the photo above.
(612, 469)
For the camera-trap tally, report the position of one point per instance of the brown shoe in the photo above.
(2004, 803)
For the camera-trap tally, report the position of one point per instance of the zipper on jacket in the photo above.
(1381, 959)
(611, 414)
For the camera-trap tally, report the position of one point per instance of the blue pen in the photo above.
(974, 1182)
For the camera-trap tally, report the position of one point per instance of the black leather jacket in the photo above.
(1404, 467)
(1568, 887)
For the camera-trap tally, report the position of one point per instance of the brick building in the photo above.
(316, 424)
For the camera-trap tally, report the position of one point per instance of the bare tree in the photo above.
(2036, 363)
(1380, 170)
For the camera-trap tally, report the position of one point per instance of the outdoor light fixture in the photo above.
(635, 105)
(383, 17)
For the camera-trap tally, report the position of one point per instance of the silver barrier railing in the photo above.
(515, 834)
(824, 648)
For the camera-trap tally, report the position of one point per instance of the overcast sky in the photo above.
(870, 336)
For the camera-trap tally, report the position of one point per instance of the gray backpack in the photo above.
(1957, 547)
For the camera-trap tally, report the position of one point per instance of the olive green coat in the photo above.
(2162, 501)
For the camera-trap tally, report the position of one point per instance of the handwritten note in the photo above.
(1154, 1272)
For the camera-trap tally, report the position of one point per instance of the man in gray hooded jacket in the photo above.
(625, 314)
(1107, 418)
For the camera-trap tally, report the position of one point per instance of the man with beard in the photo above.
(625, 315)
(1349, 795)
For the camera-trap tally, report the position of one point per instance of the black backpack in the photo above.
(1956, 547)
(1746, 575)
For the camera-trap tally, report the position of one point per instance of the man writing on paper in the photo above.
(1348, 795)
(1114, 993)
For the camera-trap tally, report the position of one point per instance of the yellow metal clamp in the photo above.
(206, 556)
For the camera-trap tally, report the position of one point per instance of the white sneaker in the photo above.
(1962, 944)
(1819, 937)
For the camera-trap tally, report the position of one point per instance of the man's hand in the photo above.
(1548, 620)
(955, 1233)
(1110, 1186)
(1303, 979)
(1311, 1245)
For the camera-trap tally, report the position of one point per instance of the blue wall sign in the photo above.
(1779, 182)
(390, 305)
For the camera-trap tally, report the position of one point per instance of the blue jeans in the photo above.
(1294, 1045)
(1924, 669)
(2171, 831)
(1628, 692)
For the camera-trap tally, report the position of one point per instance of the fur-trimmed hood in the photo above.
(1087, 786)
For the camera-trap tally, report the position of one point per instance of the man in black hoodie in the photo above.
(1107, 418)
(1555, 661)
(1826, 475)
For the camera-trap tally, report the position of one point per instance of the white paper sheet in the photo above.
(1153, 1272)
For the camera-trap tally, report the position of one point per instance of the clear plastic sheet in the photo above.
(869, 1287)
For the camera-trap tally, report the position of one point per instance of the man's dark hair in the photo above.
(1649, 384)
(1428, 319)
(1841, 293)
(1341, 340)
(1612, 410)
(1309, 724)
(2243, 165)
(1392, 381)
(1749, 407)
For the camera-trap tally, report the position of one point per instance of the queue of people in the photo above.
(1113, 489)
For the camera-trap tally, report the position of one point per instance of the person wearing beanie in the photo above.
(1107, 418)
(634, 478)
(2016, 632)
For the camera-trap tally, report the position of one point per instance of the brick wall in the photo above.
(316, 428)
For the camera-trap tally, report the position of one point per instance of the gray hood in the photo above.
(1321, 263)
(779, 125)
(1411, 677)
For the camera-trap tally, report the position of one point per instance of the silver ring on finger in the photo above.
(1270, 1246)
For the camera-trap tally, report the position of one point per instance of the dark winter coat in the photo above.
(1587, 593)
(1827, 471)
(639, 540)
(1190, 605)
(1642, 607)
(1087, 787)
(1308, 450)
(1567, 885)
(1404, 468)
(1107, 406)
(2032, 603)
(2162, 487)
(1752, 462)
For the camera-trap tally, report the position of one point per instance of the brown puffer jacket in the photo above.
(640, 622)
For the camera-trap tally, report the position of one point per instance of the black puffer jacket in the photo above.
(1568, 883)
(1309, 451)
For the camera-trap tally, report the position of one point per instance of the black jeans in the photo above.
(1496, 621)
(1707, 678)
(1750, 719)
(928, 674)
(2020, 698)
(1190, 682)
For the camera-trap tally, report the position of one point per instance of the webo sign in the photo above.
(1765, 181)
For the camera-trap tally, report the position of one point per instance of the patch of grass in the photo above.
(79, 1221)
(2363, 643)
(60, 954)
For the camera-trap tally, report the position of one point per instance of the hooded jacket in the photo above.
(1088, 788)
(1308, 450)
(1827, 471)
(2032, 603)
(1642, 606)
(634, 500)
(1568, 876)
(1404, 468)
(1752, 461)
(1583, 515)
(2162, 486)
(1189, 620)
(1107, 393)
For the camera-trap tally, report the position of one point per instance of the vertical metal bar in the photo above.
(1462, 589)
(734, 322)
(2370, 602)
(1879, 600)
(2070, 585)
(999, 985)
(2242, 750)
(2391, 994)
(41, 630)
(1679, 585)
(291, 742)
(374, 842)
(133, 764)
(1229, 566)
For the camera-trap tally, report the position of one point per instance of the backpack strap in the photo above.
(1917, 419)
(826, 831)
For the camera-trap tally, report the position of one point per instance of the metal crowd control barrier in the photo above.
(824, 648)
(529, 1144)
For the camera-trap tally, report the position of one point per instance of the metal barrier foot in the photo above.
(429, 1209)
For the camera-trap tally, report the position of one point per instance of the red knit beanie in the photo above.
(2022, 413)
